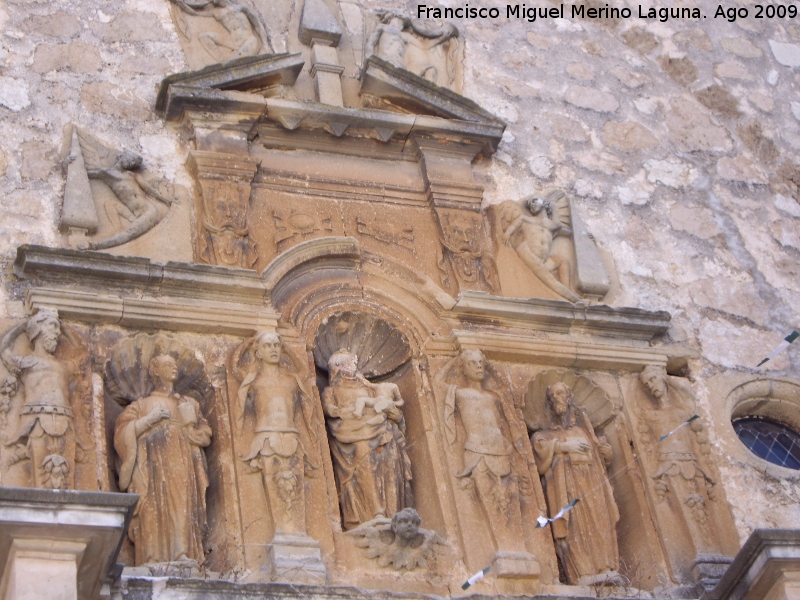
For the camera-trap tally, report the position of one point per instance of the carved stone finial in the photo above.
(318, 24)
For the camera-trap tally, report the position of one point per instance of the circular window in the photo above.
(771, 440)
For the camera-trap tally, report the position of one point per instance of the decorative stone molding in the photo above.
(74, 537)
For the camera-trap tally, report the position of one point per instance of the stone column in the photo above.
(60, 545)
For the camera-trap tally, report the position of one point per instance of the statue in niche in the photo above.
(159, 438)
(245, 34)
(572, 461)
(135, 211)
(530, 226)
(681, 479)
(399, 542)
(425, 49)
(46, 431)
(373, 472)
(463, 263)
(495, 464)
(227, 240)
(275, 405)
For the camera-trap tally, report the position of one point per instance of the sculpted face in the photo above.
(50, 330)
(405, 524)
(558, 394)
(164, 368)
(270, 348)
(343, 364)
(654, 382)
(474, 365)
(226, 211)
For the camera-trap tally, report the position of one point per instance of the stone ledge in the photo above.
(760, 567)
(563, 317)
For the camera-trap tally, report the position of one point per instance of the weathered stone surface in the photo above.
(786, 54)
(671, 172)
(602, 162)
(38, 160)
(762, 102)
(580, 70)
(3, 163)
(131, 27)
(640, 40)
(629, 78)
(719, 100)
(568, 129)
(760, 145)
(107, 98)
(593, 99)
(786, 234)
(682, 70)
(628, 135)
(698, 221)
(741, 47)
(739, 169)
(692, 130)
(14, 93)
(60, 24)
(695, 37)
(733, 70)
(541, 167)
(80, 57)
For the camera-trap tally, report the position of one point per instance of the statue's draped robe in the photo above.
(168, 471)
(371, 465)
(590, 527)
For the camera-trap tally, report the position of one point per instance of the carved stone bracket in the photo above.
(223, 236)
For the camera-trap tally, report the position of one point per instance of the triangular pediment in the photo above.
(248, 74)
(414, 94)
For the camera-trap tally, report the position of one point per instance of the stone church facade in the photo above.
(319, 298)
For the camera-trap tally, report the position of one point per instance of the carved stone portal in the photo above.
(159, 438)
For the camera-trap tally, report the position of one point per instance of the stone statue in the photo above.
(572, 463)
(682, 480)
(373, 472)
(46, 429)
(495, 465)
(530, 226)
(399, 543)
(273, 398)
(135, 195)
(159, 439)
(246, 33)
(413, 44)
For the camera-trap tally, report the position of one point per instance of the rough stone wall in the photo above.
(679, 142)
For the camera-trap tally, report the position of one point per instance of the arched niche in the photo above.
(638, 564)
(335, 295)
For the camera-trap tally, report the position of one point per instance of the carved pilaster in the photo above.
(223, 204)
(465, 261)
